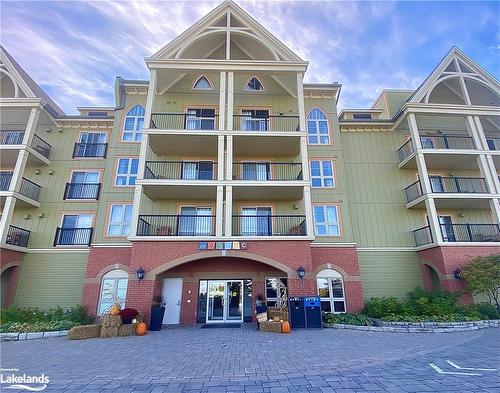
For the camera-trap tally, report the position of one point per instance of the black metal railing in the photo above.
(406, 150)
(446, 141)
(266, 123)
(267, 171)
(10, 137)
(176, 225)
(186, 170)
(30, 189)
(95, 150)
(82, 191)
(470, 232)
(466, 185)
(493, 143)
(42, 147)
(17, 236)
(73, 236)
(5, 178)
(279, 225)
(184, 121)
(423, 236)
(413, 191)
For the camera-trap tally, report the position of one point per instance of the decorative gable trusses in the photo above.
(458, 80)
(231, 33)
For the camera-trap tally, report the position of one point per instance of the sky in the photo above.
(75, 49)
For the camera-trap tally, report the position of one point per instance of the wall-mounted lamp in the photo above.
(140, 273)
(457, 274)
(301, 272)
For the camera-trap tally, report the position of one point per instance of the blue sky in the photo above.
(75, 49)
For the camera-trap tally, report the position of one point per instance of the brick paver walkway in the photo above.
(192, 360)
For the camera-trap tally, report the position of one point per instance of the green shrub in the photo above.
(377, 307)
(429, 318)
(33, 319)
(482, 311)
(346, 319)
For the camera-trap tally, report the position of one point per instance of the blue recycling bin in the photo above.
(296, 313)
(312, 308)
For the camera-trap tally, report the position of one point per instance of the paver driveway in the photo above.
(192, 360)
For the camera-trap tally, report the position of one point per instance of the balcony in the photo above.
(452, 192)
(82, 191)
(176, 225)
(470, 233)
(11, 137)
(40, 146)
(493, 143)
(12, 142)
(266, 123)
(423, 236)
(90, 150)
(268, 225)
(267, 171)
(441, 152)
(30, 189)
(17, 236)
(184, 121)
(73, 236)
(181, 170)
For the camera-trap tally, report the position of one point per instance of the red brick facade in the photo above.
(184, 260)
(10, 263)
(445, 260)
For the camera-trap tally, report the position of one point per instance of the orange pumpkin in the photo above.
(115, 310)
(141, 329)
(285, 327)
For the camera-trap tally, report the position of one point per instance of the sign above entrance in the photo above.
(223, 246)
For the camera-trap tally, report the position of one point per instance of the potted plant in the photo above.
(157, 313)
(260, 306)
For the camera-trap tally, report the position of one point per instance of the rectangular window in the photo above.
(322, 174)
(112, 290)
(271, 289)
(362, 116)
(254, 120)
(256, 221)
(83, 185)
(119, 220)
(195, 221)
(76, 229)
(200, 119)
(126, 173)
(91, 144)
(326, 220)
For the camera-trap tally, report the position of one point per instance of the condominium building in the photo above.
(225, 172)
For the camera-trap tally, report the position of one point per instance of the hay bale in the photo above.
(270, 326)
(109, 331)
(114, 321)
(276, 312)
(127, 330)
(84, 331)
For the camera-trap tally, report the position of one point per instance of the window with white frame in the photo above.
(272, 289)
(126, 172)
(331, 291)
(322, 174)
(317, 128)
(113, 289)
(326, 220)
(202, 84)
(254, 85)
(134, 122)
(119, 220)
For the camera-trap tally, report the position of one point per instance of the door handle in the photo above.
(178, 303)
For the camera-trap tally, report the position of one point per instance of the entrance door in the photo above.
(225, 301)
(172, 294)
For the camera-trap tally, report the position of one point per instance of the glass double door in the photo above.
(225, 301)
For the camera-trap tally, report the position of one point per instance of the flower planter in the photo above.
(157, 314)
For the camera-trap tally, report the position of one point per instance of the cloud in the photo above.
(74, 50)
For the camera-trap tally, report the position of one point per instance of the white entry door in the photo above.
(172, 295)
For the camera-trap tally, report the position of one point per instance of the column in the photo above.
(309, 211)
(219, 211)
(495, 210)
(222, 101)
(150, 98)
(6, 218)
(229, 157)
(230, 100)
(415, 136)
(434, 221)
(229, 211)
(30, 126)
(220, 157)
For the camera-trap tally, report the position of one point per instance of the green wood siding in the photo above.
(51, 279)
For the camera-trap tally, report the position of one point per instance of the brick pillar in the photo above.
(11, 291)
(426, 276)
(189, 303)
(302, 287)
(258, 288)
(90, 296)
(354, 296)
(140, 296)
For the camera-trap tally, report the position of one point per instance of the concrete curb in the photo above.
(31, 336)
(421, 327)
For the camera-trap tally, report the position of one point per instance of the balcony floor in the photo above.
(455, 201)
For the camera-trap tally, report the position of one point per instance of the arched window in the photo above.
(317, 128)
(202, 84)
(254, 85)
(331, 291)
(134, 122)
(113, 289)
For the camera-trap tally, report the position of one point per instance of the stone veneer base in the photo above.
(421, 327)
(31, 336)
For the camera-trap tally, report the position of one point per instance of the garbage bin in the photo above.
(296, 312)
(312, 306)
